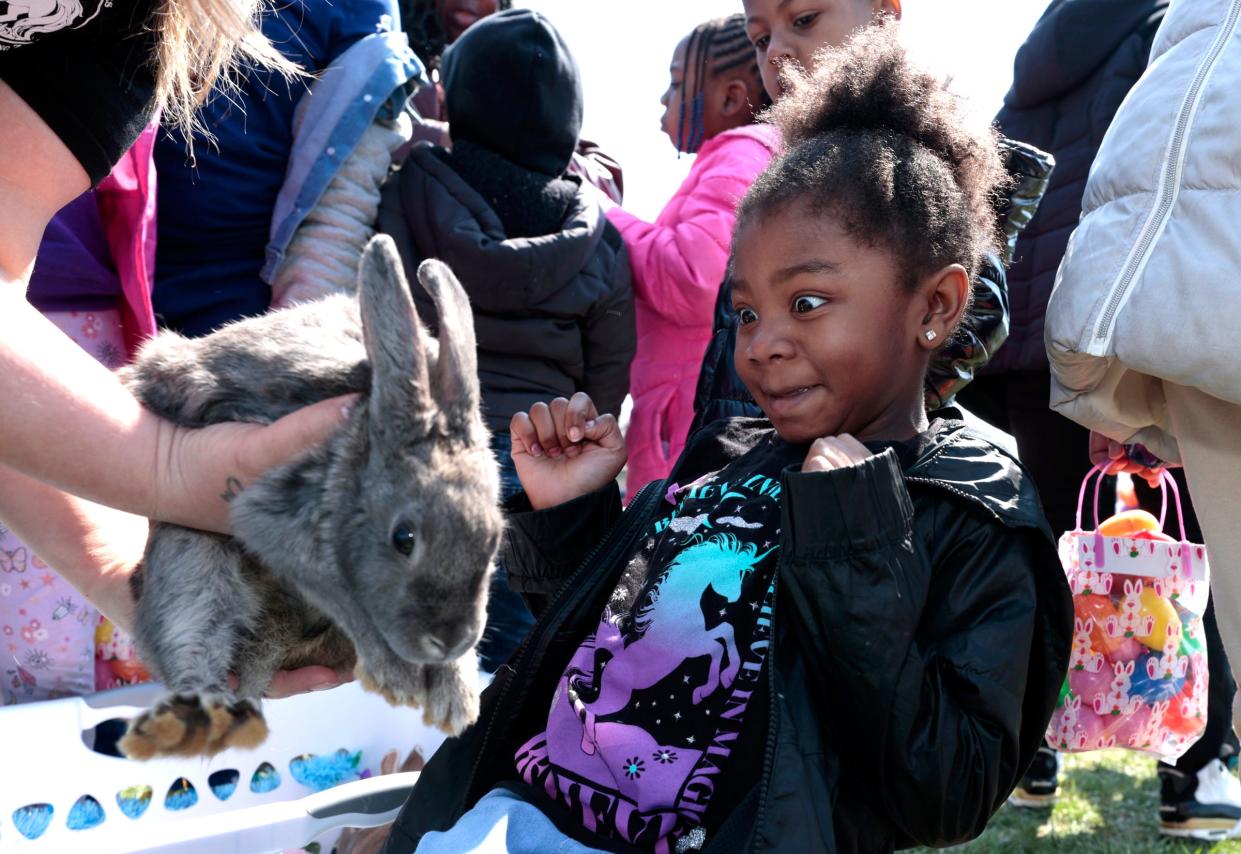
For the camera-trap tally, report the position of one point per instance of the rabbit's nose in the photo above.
(434, 647)
(448, 643)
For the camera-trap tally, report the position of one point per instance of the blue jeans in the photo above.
(501, 821)
(508, 618)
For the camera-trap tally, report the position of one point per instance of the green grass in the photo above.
(1109, 803)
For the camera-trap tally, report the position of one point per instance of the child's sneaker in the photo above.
(1206, 805)
(1040, 787)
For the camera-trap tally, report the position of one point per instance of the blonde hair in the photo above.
(200, 44)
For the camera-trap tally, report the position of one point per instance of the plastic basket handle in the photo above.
(1081, 495)
(1166, 482)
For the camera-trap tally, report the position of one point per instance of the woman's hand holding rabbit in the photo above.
(198, 471)
(565, 449)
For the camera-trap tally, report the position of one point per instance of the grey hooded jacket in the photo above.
(553, 314)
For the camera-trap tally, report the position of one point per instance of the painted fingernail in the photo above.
(554, 452)
(590, 425)
(575, 434)
(536, 449)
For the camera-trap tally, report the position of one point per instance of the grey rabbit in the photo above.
(375, 549)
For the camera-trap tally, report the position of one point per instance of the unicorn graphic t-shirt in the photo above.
(647, 713)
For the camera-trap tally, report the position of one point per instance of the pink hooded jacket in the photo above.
(678, 264)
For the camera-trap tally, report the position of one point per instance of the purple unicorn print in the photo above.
(669, 628)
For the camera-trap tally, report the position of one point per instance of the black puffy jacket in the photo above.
(1069, 78)
(553, 314)
(920, 636)
(722, 394)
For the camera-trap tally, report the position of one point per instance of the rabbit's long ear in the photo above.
(396, 343)
(456, 371)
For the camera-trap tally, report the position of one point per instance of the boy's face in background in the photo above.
(793, 30)
(456, 16)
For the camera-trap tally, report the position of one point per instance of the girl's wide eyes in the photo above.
(807, 303)
(746, 316)
(803, 21)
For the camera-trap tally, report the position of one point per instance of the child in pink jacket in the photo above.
(679, 260)
(92, 279)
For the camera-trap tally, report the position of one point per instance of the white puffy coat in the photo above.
(1149, 291)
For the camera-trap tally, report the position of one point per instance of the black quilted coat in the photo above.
(921, 632)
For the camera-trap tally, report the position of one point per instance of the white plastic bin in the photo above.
(58, 795)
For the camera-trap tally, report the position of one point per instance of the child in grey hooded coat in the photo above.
(547, 275)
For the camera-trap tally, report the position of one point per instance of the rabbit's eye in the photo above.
(403, 540)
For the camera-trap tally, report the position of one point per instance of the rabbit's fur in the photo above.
(315, 572)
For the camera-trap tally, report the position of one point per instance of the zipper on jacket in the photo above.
(1169, 189)
(622, 534)
(769, 756)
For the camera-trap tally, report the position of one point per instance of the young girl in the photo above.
(678, 261)
(789, 35)
(839, 628)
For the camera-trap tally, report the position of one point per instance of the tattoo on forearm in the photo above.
(232, 488)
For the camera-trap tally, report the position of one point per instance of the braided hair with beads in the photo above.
(714, 48)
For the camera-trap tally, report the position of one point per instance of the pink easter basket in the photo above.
(1138, 672)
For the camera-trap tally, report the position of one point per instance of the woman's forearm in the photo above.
(68, 420)
(70, 423)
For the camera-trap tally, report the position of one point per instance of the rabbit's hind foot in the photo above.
(194, 726)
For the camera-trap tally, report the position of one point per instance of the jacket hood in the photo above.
(450, 221)
(511, 85)
(1070, 41)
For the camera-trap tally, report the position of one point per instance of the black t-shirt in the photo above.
(653, 711)
(86, 67)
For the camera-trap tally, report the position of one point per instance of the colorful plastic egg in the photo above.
(1128, 524)
(1164, 614)
(1152, 689)
(1065, 691)
(1093, 726)
(1177, 722)
(1186, 726)
(1090, 685)
(1190, 645)
(1130, 727)
(1124, 649)
(1099, 608)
